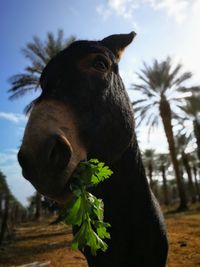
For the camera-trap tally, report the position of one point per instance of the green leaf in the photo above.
(95, 243)
(79, 240)
(74, 213)
(102, 232)
(86, 210)
(97, 206)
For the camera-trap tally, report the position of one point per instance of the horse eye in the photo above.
(100, 65)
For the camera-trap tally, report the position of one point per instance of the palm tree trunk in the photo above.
(38, 206)
(189, 174)
(150, 170)
(151, 182)
(0, 205)
(165, 188)
(196, 182)
(165, 113)
(4, 219)
(196, 127)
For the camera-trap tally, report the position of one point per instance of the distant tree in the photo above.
(11, 210)
(148, 158)
(163, 164)
(38, 206)
(4, 195)
(192, 113)
(159, 83)
(39, 54)
(182, 142)
(3, 184)
(35, 206)
(196, 182)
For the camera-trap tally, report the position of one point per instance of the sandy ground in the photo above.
(184, 240)
(42, 242)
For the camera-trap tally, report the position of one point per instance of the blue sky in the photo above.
(165, 27)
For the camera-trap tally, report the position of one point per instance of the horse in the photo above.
(84, 112)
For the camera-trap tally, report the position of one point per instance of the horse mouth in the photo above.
(62, 194)
(50, 167)
(51, 187)
(64, 197)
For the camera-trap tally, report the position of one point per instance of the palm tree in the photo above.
(196, 182)
(38, 53)
(4, 193)
(160, 87)
(35, 206)
(38, 201)
(191, 113)
(148, 157)
(182, 143)
(11, 212)
(163, 164)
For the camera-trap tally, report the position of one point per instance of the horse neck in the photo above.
(137, 230)
(128, 186)
(126, 196)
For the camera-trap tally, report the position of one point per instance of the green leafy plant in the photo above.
(85, 210)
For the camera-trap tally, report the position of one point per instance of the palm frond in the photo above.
(138, 109)
(182, 78)
(39, 53)
(36, 68)
(36, 51)
(24, 82)
(69, 40)
(192, 106)
(52, 47)
(22, 92)
(148, 122)
(158, 75)
(142, 112)
(144, 90)
(152, 125)
(134, 103)
(194, 90)
(146, 80)
(174, 73)
(28, 107)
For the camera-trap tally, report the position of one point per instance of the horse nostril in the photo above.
(60, 152)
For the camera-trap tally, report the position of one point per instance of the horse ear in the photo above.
(118, 42)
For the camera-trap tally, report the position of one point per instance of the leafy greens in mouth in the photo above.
(86, 211)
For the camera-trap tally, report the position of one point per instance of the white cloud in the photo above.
(123, 8)
(13, 117)
(104, 12)
(174, 8)
(196, 8)
(74, 11)
(7, 157)
(188, 47)
(178, 9)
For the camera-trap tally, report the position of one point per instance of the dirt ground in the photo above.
(184, 239)
(43, 242)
